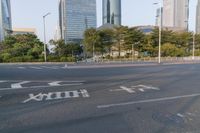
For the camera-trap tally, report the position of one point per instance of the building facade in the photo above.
(17, 31)
(75, 16)
(5, 19)
(176, 13)
(112, 12)
(198, 18)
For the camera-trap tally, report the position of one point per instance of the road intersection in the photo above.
(115, 99)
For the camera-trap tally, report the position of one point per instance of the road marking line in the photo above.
(18, 85)
(129, 90)
(39, 68)
(56, 83)
(3, 81)
(32, 87)
(21, 67)
(148, 101)
(57, 95)
(53, 67)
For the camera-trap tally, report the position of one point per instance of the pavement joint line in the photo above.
(147, 101)
(32, 87)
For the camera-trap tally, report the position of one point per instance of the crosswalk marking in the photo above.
(2, 81)
(18, 85)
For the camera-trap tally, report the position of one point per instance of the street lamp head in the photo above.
(46, 14)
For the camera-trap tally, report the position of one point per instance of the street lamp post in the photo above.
(44, 22)
(133, 53)
(193, 47)
(160, 33)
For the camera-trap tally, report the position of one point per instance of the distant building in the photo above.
(148, 29)
(75, 16)
(112, 12)
(198, 18)
(24, 31)
(57, 35)
(176, 13)
(5, 19)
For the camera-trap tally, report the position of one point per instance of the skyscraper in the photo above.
(75, 16)
(5, 18)
(112, 12)
(198, 18)
(176, 13)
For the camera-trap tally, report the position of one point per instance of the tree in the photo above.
(91, 40)
(119, 36)
(26, 47)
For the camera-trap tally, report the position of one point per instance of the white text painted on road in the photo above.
(57, 95)
(18, 85)
(133, 89)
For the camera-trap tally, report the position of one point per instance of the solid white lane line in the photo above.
(56, 83)
(18, 85)
(148, 101)
(32, 87)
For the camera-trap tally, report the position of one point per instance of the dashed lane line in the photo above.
(148, 101)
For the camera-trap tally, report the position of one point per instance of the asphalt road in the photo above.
(115, 99)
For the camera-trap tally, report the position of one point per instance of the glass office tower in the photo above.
(176, 13)
(5, 19)
(112, 12)
(75, 16)
(198, 18)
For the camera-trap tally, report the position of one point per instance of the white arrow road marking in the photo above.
(3, 81)
(129, 90)
(18, 85)
(56, 83)
(144, 87)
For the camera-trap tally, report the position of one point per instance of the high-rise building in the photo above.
(198, 18)
(75, 16)
(176, 13)
(5, 19)
(112, 12)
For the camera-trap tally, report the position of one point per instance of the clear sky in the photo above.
(28, 14)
